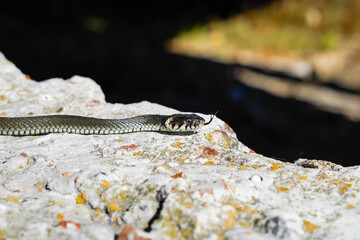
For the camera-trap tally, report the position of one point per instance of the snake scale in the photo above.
(40, 125)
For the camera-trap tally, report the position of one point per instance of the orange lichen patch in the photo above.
(27, 76)
(220, 131)
(138, 154)
(12, 199)
(95, 101)
(282, 189)
(201, 147)
(129, 147)
(114, 207)
(275, 166)
(177, 144)
(251, 151)
(97, 211)
(16, 191)
(353, 195)
(129, 232)
(209, 153)
(80, 199)
(209, 163)
(178, 175)
(64, 224)
(76, 179)
(2, 98)
(232, 165)
(173, 189)
(309, 227)
(24, 155)
(65, 174)
(224, 184)
(344, 187)
(350, 206)
(60, 216)
(208, 191)
(256, 166)
(3, 114)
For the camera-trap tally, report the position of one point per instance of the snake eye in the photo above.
(189, 121)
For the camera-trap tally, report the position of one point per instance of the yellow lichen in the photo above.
(209, 163)
(344, 187)
(228, 144)
(97, 211)
(12, 199)
(246, 208)
(60, 216)
(302, 177)
(245, 224)
(177, 144)
(114, 207)
(256, 166)
(138, 154)
(59, 203)
(209, 136)
(3, 233)
(231, 214)
(80, 199)
(105, 184)
(282, 189)
(164, 166)
(310, 227)
(39, 186)
(350, 206)
(275, 166)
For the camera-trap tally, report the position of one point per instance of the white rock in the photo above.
(68, 186)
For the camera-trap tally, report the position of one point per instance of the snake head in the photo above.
(184, 122)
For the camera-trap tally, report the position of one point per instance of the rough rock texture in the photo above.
(155, 186)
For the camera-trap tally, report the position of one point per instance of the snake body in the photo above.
(40, 125)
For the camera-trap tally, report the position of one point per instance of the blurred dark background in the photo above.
(121, 45)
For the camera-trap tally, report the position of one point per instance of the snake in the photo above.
(46, 124)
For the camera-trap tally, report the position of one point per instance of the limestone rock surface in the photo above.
(155, 186)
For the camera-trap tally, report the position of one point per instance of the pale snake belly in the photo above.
(40, 125)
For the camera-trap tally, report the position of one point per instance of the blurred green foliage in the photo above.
(304, 25)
